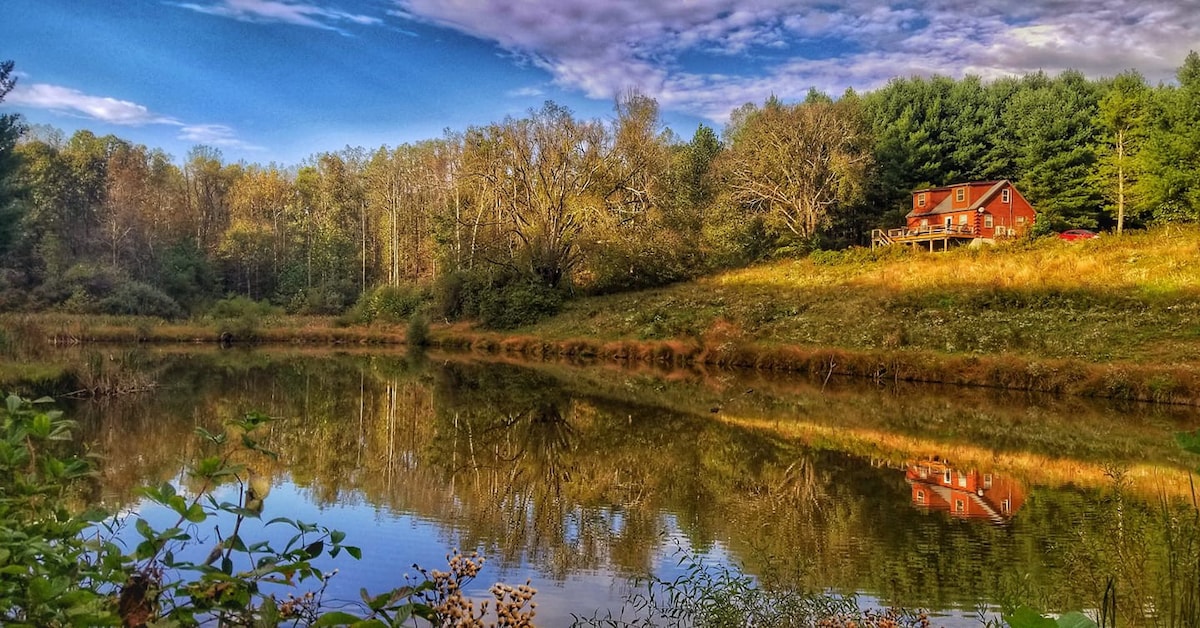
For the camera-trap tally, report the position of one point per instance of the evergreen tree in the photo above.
(1172, 155)
(10, 130)
(1053, 145)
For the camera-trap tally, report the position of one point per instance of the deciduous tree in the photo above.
(799, 163)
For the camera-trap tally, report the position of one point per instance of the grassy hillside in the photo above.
(1134, 298)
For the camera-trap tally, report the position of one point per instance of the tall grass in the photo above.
(1135, 298)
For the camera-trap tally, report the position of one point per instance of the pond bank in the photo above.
(1174, 384)
(30, 337)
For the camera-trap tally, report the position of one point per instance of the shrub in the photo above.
(240, 306)
(418, 331)
(241, 316)
(503, 301)
(387, 303)
(137, 298)
(521, 302)
(91, 289)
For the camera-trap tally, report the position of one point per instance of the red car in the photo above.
(1076, 234)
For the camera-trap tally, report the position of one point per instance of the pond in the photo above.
(585, 478)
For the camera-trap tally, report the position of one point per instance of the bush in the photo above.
(241, 316)
(137, 298)
(418, 331)
(387, 303)
(502, 301)
(91, 289)
(522, 302)
(240, 307)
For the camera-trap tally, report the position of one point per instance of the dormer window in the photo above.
(1005, 196)
(921, 199)
(960, 195)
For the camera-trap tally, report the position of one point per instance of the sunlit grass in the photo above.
(1136, 298)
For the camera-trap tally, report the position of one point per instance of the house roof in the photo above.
(946, 206)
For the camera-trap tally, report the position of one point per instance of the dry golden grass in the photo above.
(1129, 299)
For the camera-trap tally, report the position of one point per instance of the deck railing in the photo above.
(931, 230)
(879, 237)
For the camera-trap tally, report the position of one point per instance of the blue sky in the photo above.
(279, 80)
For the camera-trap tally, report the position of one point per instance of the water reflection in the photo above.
(584, 476)
(969, 494)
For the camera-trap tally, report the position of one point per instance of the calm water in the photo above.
(584, 478)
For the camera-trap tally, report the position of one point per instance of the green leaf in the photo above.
(144, 529)
(353, 551)
(315, 548)
(40, 426)
(1076, 619)
(1025, 617)
(195, 514)
(336, 618)
(336, 536)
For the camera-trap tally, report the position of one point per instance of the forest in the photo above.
(503, 222)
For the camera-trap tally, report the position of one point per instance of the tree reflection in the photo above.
(582, 474)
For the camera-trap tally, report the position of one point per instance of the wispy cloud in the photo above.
(525, 92)
(214, 135)
(283, 11)
(72, 102)
(603, 48)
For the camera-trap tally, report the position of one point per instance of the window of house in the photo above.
(988, 221)
(960, 506)
(962, 219)
(1005, 196)
(921, 199)
(1020, 220)
(947, 477)
(987, 480)
(924, 222)
(1005, 506)
(962, 480)
(949, 221)
(920, 497)
(960, 195)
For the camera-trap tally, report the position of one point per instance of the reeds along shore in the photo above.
(1175, 384)
(1137, 382)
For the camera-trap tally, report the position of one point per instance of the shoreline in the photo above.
(1133, 381)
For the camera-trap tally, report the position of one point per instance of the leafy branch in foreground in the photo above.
(62, 568)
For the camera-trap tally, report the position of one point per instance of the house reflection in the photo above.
(971, 494)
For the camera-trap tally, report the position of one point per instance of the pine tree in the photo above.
(10, 131)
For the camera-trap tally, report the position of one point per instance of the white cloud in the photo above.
(603, 48)
(283, 11)
(525, 92)
(214, 135)
(73, 102)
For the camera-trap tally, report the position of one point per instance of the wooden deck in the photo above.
(930, 236)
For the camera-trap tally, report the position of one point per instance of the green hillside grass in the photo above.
(1134, 298)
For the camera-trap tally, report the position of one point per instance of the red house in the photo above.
(981, 209)
(967, 494)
